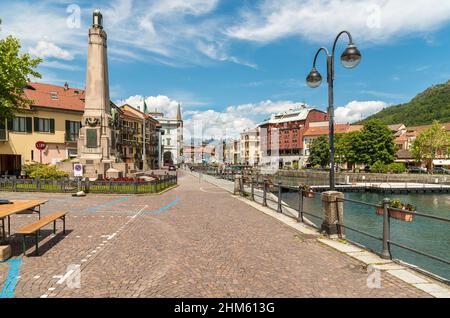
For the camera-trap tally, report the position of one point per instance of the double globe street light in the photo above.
(349, 59)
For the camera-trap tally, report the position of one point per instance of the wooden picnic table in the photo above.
(17, 206)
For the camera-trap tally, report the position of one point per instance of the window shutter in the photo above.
(36, 123)
(52, 126)
(67, 126)
(29, 123)
(10, 125)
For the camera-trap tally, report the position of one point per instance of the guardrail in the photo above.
(65, 185)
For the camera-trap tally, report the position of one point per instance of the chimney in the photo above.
(66, 86)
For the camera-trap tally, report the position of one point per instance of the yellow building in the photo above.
(53, 118)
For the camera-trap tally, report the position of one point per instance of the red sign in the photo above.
(40, 145)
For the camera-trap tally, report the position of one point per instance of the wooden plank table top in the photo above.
(19, 206)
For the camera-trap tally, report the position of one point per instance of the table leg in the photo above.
(24, 245)
(9, 225)
(37, 244)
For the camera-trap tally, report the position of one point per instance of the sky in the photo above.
(231, 63)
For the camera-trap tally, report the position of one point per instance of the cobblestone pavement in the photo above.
(193, 241)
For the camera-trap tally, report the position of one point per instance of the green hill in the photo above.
(432, 104)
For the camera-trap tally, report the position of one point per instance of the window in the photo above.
(168, 141)
(21, 124)
(54, 95)
(72, 130)
(46, 125)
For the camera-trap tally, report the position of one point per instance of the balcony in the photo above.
(70, 137)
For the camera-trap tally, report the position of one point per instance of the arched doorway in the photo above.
(168, 158)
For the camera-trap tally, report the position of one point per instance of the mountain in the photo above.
(432, 104)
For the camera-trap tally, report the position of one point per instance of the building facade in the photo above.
(282, 136)
(54, 118)
(250, 147)
(171, 143)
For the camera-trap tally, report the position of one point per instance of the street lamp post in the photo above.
(349, 59)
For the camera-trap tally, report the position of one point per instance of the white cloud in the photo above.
(319, 20)
(45, 49)
(355, 111)
(160, 103)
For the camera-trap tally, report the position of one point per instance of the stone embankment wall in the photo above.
(294, 178)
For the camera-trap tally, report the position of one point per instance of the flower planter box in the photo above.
(407, 217)
(309, 194)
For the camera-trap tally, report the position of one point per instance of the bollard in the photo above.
(386, 251)
(265, 193)
(280, 208)
(237, 185)
(333, 209)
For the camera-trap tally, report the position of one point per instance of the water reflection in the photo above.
(424, 234)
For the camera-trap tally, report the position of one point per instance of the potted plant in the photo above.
(307, 191)
(399, 215)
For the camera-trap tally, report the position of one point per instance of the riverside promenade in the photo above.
(196, 240)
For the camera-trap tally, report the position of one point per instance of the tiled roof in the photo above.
(404, 154)
(324, 130)
(41, 95)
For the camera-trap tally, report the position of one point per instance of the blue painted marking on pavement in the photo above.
(93, 209)
(164, 208)
(11, 280)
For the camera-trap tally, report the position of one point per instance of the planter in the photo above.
(309, 194)
(407, 217)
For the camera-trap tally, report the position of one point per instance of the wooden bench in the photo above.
(35, 227)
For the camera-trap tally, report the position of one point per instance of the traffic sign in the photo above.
(77, 170)
(40, 145)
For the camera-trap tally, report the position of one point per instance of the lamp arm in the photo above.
(350, 39)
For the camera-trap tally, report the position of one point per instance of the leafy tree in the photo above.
(348, 148)
(397, 167)
(431, 143)
(319, 152)
(378, 167)
(375, 143)
(15, 72)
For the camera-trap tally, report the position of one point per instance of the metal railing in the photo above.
(64, 185)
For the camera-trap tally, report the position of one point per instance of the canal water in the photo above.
(423, 234)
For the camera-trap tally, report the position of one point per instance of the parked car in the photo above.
(172, 168)
(417, 170)
(441, 170)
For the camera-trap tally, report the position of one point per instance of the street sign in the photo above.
(40, 145)
(78, 170)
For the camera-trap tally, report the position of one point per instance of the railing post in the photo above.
(38, 184)
(253, 189)
(280, 208)
(14, 183)
(386, 251)
(135, 185)
(300, 205)
(264, 203)
(110, 186)
(87, 185)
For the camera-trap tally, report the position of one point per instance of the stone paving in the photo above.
(193, 241)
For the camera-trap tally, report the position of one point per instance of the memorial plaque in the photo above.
(91, 135)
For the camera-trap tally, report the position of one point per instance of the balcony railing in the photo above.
(71, 136)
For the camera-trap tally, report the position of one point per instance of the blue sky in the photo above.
(231, 63)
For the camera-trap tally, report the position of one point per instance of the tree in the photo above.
(376, 143)
(348, 148)
(319, 152)
(15, 72)
(431, 143)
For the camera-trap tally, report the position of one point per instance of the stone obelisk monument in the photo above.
(94, 144)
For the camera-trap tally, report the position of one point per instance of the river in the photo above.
(424, 234)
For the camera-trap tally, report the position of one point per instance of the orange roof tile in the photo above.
(338, 128)
(40, 95)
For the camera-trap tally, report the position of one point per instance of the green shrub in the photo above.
(397, 167)
(379, 167)
(43, 171)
